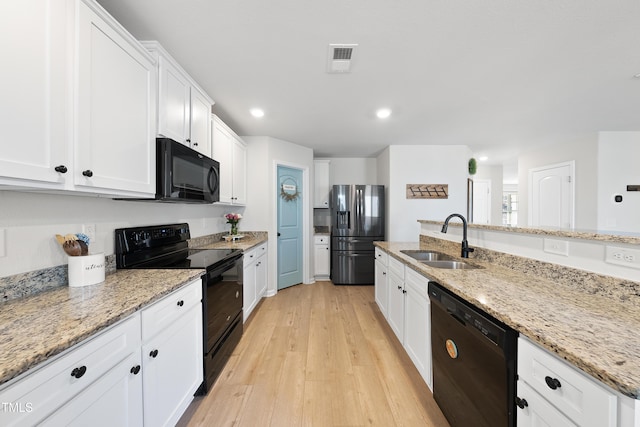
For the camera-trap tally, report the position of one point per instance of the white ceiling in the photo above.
(496, 75)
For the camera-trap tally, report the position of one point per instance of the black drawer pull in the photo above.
(88, 173)
(79, 372)
(61, 169)
(553, 383)
(522, 403)
(180, 303)
(153, 353)
(135, 370)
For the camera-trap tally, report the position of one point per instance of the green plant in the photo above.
(473, 166)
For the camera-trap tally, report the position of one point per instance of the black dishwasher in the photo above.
(474, 363)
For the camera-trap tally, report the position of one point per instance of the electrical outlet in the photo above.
(558, 247)
(90, 231)
(622, 256)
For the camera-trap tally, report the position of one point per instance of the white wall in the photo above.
(263, 156)
(353, 170)
(422, 164)
(493, 173)
(618, 166)
(29, 222)
(584, 152)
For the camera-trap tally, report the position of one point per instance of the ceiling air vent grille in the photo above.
(340, 57)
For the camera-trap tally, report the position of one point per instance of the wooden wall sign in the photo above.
(427, 191)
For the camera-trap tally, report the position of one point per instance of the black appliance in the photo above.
(165, 246)
(357, 220)
(185, 176)
(474, 363)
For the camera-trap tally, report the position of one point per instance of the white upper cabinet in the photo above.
(33, 110)
(78, 101)
(322, 184)
(228, 149)
(114, 141)
(184, 109)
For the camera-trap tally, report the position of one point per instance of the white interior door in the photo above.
(482, 201)
(551, 196)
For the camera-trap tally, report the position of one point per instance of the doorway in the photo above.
(552, 196)
(290, 226)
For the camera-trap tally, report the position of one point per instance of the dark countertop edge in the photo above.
(553, 347)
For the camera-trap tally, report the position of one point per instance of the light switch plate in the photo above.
(558, 247)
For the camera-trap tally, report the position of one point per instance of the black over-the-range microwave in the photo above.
(185, 176)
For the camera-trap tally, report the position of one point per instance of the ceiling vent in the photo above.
(340, 57)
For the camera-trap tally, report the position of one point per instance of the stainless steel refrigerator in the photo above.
(357, 220)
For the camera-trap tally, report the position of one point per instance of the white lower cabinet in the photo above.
(381, 280)
(113, 400)
(75, 382)
(395, 310)
(322, 255)
(115, 378)
(417, 323)
(556, 391)
(254, 281)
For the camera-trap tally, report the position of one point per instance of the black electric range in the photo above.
(166, 246)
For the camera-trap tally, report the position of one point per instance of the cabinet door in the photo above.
(382, 287)
(322, 259)
(115, 111)
(33, 86)
(173, 102)
(261, 277)
(395, 311)
(537, 412)
(321, 186)
(113, 400)
(172, 369)
(249, 283)
(200, 135)
(417, 324)
(239, 177)
(221, 149)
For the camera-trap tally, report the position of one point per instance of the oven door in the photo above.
(222, 300)
(185, 175)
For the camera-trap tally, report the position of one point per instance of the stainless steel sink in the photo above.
(450, 264)
(427, 255)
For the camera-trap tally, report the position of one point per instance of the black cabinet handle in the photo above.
(153, 353)
(553, 383)
(88, 173)
(135, 370)
(384, 273)
(79, 372)
(61, 169)
(521, 403)
(404, 291)
(399, 287)
(189, 141)
(195, 144)
(180, 303)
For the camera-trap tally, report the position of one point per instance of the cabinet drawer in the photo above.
(417, 282)
(396, 267)
(382, 256)
(166, 311)
(538, 412)
(43, 391)
(261, 250)
(580, 398)
(321, 239)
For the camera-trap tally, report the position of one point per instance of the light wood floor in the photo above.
(317, 355)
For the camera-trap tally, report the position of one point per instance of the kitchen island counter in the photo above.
(596, 331)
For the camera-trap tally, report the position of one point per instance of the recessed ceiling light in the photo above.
(257, 112)
(383, 113)
(483, 158)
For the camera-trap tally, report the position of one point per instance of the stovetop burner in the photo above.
(165, 246)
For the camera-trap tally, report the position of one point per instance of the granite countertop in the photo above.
(598, 334)
(250, 240)
(35, 328)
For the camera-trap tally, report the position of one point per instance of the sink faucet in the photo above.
(465, 245)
